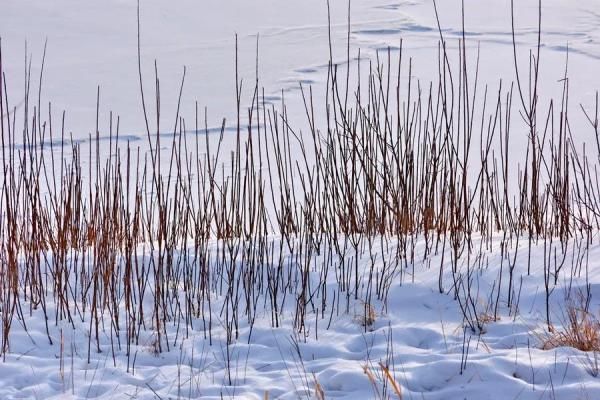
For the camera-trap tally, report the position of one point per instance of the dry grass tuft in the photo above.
(385, 377)
(581, 330)
(367, 315)
(372, 379)
(319, 392)
(487, 317)
(392, 381)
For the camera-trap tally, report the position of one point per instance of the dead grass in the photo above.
(391, 380)
(581, 330)
(319, 392)
(385, 378)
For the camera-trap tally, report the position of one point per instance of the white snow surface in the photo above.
(419, 331)
(93, 45)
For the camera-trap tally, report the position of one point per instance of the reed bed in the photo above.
(131, 240)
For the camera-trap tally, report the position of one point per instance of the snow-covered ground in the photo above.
(417, 332)
(91, 45)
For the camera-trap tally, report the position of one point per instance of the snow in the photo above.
(418, 332)
(91, 45)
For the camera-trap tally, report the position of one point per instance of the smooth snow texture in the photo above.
(91, 45)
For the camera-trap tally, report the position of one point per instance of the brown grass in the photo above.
(386, 376)
(581, 331)
(319, 392)
(367, 316)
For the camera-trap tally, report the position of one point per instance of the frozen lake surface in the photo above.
(91, 45)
